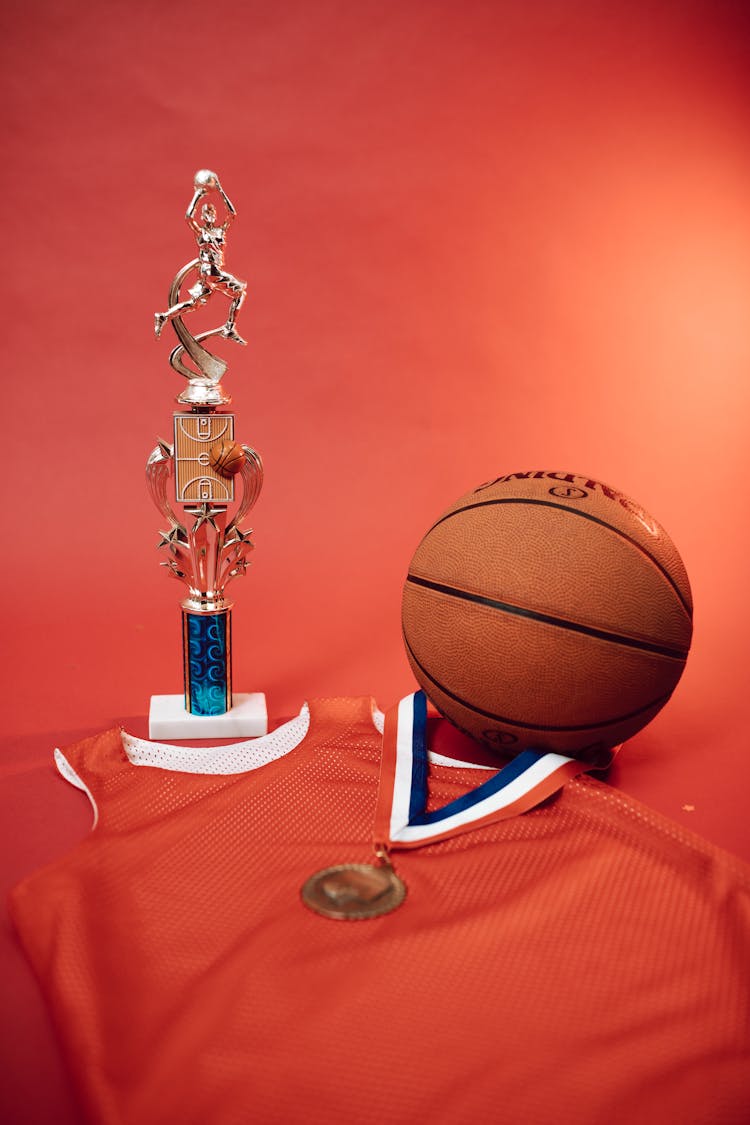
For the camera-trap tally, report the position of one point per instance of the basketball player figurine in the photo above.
(206, 548)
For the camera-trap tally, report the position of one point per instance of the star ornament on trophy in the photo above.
(204, 484)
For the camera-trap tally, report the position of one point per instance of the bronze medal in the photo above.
(354, 890)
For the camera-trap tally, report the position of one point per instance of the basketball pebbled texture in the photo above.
(546, 609)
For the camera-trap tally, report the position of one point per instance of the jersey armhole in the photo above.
(66, 770)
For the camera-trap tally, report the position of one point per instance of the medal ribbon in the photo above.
(401, 820)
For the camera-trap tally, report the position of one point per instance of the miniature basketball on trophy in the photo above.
(547, 610)
(226, 457)
(206, 180)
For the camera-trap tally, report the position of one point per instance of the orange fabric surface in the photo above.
(584, 962)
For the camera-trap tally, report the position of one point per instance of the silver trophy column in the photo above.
(206, 473)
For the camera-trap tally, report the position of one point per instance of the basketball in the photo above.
(226, 457)
(547, 610)
(206, 180)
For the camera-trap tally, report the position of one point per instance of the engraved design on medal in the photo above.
(353, 891)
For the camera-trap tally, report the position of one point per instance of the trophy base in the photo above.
(247, 718)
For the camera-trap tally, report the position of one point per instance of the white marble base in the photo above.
(248, 718)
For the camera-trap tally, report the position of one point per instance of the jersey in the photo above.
(586, 961)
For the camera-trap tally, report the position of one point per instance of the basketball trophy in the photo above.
(205, 472)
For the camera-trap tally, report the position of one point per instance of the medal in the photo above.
(354, 890)
(363, 890)
(401, 820)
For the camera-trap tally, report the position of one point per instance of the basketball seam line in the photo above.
(669, 651)
(530, 726)
(584, 515)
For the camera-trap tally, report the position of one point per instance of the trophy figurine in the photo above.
(206, 473)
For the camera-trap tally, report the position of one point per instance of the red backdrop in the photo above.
(479, 237)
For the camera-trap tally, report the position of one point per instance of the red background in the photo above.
(479, 238)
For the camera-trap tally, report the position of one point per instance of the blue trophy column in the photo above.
(206, 648)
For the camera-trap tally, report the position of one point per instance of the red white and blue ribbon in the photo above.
(402, 820)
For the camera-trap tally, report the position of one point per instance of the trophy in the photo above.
(206, 473)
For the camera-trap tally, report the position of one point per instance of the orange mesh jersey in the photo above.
(586, 962)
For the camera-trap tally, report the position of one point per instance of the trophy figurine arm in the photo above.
(206, 181)
(190, 213)
(231, 212)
